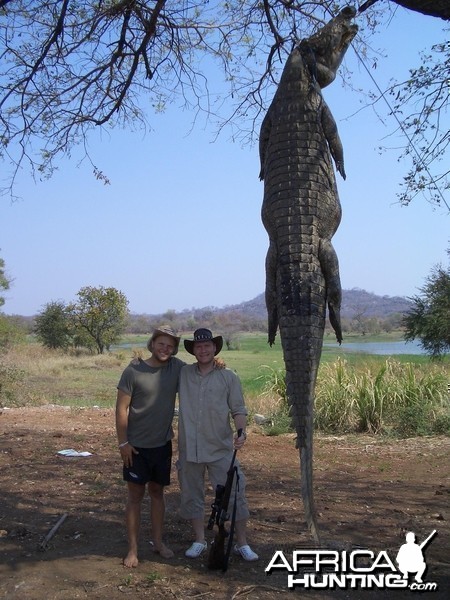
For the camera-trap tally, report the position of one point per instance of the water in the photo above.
(126, 346)
(383, 348)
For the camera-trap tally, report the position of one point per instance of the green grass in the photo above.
(52, 377)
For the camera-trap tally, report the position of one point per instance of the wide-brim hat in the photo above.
(204, 335)
(164, 330)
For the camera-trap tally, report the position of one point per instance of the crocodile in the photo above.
(301, 212)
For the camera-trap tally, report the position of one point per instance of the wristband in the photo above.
(123, 444)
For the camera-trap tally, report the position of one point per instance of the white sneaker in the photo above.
(196, 549)
(246, 552)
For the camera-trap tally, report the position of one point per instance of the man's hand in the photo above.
(239, 441)
(219, 363)
(135, 360)
(126, 452)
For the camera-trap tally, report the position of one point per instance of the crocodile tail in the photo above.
(302, 295)
(301, 400)
(306, 465)
(301, 338)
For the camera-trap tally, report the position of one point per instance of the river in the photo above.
(384, 348)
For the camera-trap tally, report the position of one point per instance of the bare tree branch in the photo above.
(69, 67)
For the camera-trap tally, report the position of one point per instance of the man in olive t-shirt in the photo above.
(144, 412)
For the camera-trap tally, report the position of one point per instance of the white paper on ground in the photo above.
(72, 452)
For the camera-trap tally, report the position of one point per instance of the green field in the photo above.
(354, 390)
(87, 380)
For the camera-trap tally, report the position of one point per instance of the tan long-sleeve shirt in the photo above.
(206, 403)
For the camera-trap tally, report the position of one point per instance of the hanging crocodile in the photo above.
(301, 212)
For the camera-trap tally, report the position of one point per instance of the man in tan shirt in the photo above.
(208, 396)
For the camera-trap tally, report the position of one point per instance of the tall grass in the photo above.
(395, 398)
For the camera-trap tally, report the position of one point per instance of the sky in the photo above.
(179, 226)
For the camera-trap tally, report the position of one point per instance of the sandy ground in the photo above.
(369, 493)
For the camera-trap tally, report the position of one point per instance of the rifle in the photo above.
(218, 558)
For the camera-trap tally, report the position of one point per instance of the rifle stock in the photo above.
(218, 558)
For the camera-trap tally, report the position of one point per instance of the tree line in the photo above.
(100, 317)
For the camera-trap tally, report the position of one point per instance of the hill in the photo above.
(354, 302)
(358, 306)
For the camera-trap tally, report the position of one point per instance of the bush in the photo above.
(53, 326)
(278, 419)
(441, 425)
(11, 380)
(11, 333)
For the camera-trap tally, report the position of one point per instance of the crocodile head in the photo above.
(327, 47)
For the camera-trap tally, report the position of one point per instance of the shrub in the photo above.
(11, 380)
(278, 418)
(11, 333)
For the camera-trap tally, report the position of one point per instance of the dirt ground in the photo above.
(369, 492)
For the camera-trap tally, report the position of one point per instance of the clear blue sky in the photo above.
(179, 226)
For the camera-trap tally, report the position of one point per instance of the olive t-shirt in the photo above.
(153, 391)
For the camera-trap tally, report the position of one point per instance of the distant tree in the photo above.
(429, 319)
(360, 318)
(372, 326)
(52, 326)
(204, 315)
(101, 315)
(392, 322)
(232, 341)
(4, 281)
(170, 315)
(138, 324)
(191, 323)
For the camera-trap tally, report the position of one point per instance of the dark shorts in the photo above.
(151, 464)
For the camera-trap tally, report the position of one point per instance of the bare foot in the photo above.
(163, 551)
(131, 560)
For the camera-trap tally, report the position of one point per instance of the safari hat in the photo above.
(204, 335)
(164, 330)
